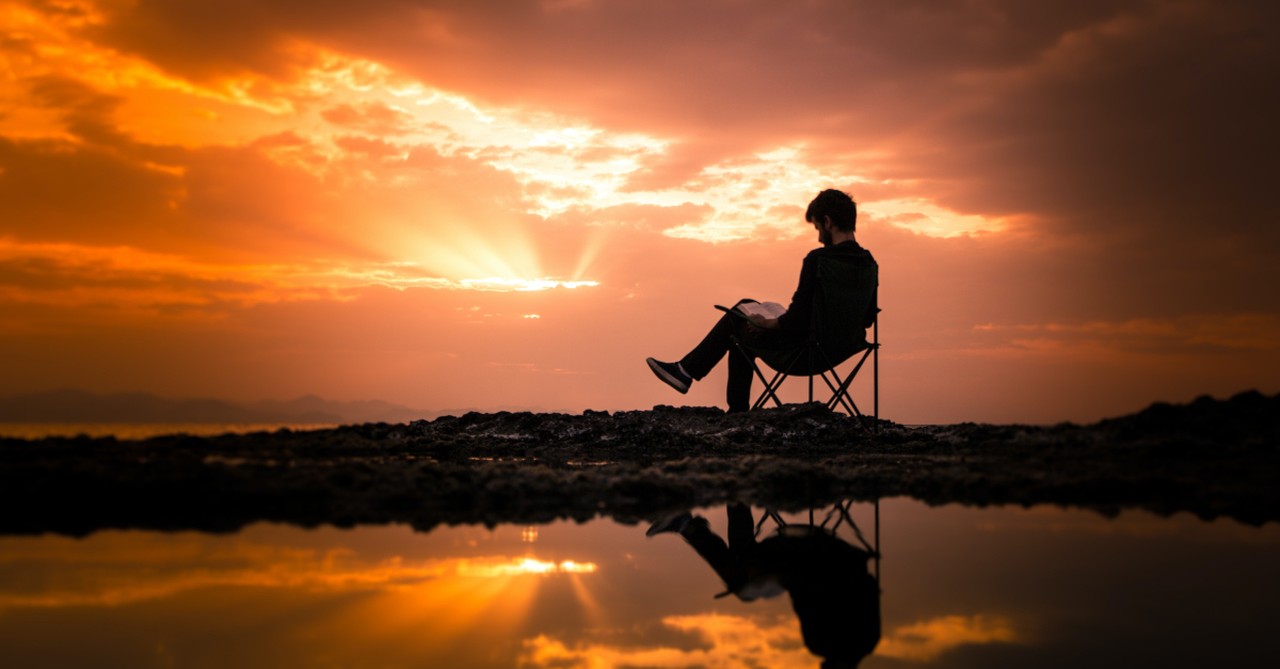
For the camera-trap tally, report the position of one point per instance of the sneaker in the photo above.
(674, 523)
(671, 374)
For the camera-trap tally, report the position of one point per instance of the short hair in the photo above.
(836, 204)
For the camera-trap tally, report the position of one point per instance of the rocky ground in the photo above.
(1212, 458)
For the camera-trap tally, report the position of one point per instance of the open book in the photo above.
(765, 309)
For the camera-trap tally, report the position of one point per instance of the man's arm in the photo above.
(800, 310)
(763, 322)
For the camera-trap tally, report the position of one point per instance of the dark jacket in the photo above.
(796, 322)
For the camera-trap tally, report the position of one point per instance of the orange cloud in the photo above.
(732, 641)
(728, 640)
(131, 568)
(926, 641)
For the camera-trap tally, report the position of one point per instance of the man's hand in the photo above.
(762, 322)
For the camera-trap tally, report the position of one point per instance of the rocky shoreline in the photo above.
(1212, 458)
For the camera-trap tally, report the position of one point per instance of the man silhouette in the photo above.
(835, 598)
(834, 215)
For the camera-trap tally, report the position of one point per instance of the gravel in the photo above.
(1213, 458)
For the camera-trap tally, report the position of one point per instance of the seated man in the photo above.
(834, 214)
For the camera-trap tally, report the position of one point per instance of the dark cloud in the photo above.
(58, 274)
(1089, 111)
(54, 191)
(85, 112)
(206, 40)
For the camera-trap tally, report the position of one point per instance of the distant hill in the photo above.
(78, 406)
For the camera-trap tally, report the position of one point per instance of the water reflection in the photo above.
(835, 598)
(962, 587)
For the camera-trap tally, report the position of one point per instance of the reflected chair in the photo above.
(837, 333)
(834, 596)
(839, 515)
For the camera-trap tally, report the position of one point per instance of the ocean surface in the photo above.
(954, 587)
(145, 430)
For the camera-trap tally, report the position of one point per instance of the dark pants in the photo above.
(728, 560)
(708, 353)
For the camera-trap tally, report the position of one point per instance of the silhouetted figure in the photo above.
(832, 593)
(834, 214)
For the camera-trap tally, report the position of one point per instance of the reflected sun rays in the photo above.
(496, 596)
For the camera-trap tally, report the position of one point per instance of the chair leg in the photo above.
(810, 376)
(838, 398)
(771, 386)
(875, 372)
(839, 388)
(770, 390)
(843, 390)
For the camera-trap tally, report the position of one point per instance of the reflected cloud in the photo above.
(927, 640)
(1138, 525)
(130, 568)
(736, 641)
(728, 640)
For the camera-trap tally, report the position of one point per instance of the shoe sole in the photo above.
(666, 377)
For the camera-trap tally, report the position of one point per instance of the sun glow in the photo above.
(523, 566)
(522, 285)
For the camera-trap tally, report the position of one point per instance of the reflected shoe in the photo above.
(671, 374)
(675, 523)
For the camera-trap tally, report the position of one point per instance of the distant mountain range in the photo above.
(78, 406)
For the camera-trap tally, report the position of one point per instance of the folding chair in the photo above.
(840, 514)
(845, 295)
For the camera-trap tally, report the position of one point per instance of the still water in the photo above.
(146, 430)
(958, 587)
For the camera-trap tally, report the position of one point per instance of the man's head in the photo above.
(832, 210)
(834, 204)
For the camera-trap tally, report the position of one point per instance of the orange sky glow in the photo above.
(509, 205)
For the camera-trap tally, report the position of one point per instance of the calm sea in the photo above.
(145, 430)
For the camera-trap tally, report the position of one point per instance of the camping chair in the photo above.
(835, 586)
(840, 515)
(845, 294)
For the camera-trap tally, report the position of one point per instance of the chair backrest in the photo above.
(844, 303)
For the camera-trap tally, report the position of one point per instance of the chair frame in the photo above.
(842, 514)
(839, 387)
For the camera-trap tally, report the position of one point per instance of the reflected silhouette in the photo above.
(834, 595)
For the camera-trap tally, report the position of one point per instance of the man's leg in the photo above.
(742, 528)
(738, 389)
(708, 353)
(714, 550)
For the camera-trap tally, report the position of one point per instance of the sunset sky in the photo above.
(454, 205)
